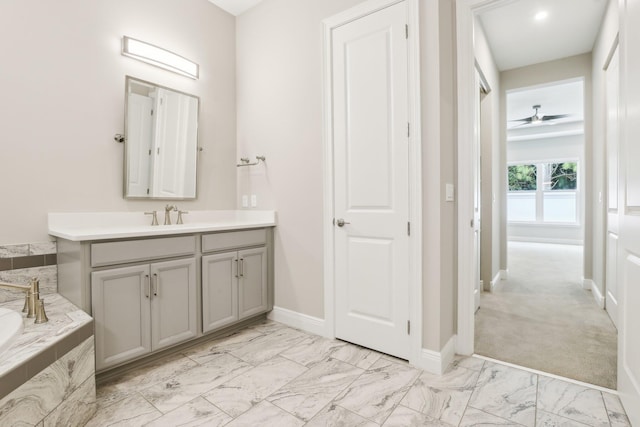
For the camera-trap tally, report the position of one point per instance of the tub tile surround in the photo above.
(42, 345)
(21, 262)
(61, 394)
(270, 374)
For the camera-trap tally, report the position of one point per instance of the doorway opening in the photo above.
(535, 59)
(541, 316)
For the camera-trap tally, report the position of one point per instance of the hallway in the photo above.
(542, 318)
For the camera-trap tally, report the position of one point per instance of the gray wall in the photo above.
(491, 155)
(601, 49)
(62, 84)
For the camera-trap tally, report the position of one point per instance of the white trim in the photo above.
(546, 374)
(545, 240)
(597, 295)
(297, 320)
(496, 281)
(504, 274)
(437, 362)
(415, 168)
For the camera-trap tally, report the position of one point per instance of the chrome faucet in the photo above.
(33, 305)
(167, 213)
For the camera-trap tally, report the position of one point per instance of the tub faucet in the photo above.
(33, 305)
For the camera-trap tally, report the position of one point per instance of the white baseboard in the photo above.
(437, 362)
(545, 240)
(504, 274)
(297, 320)
(597, 295)
(495, 281)
(587, 284)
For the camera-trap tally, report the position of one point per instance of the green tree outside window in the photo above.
(522, 178)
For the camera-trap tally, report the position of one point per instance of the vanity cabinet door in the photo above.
(121, 311)
(252, 288)
(219, 290)
(173, 302)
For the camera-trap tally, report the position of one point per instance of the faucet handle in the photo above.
(154, 220)
(180, 213)
(41, 315)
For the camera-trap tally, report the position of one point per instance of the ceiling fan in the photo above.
(538, 118)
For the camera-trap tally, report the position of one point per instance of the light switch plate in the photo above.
(254, 200)
(449, 193)
(245, 201)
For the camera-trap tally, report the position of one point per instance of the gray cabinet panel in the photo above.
(173, 302)
(219, 290)
(252, 288)
(109, 253)
(121, 314)
(233, 240)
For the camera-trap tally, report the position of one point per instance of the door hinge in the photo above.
(408, 327)
(408, 229)
(408, 129)
(147, 191)
(152, 112)
(149, 151)
(406, 31)
(158, 151)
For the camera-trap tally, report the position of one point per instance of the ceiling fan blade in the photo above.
(526, 120)
(554, 117)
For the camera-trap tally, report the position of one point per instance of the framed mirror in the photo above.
(161, 142)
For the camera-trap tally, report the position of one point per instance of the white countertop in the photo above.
(83, 226)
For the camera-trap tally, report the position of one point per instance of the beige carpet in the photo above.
(541, 318)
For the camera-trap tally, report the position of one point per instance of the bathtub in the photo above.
(10, 327)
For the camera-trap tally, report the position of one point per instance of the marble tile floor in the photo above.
(271, 375)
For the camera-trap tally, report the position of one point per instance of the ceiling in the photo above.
(557, 98)
(235, 7)
(517, 39)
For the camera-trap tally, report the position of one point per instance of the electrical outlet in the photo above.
(254, 200)
(245, 201)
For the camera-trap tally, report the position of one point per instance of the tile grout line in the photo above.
(403, 396)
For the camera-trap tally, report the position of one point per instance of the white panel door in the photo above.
(139, 144)
(369, 73)
(612, 143)
(629, 213)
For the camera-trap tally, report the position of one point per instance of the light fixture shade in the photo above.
(159, 57)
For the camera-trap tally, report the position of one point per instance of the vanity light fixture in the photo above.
(159, 57)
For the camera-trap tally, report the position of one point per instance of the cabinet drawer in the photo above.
(233, 239)
(140, 250)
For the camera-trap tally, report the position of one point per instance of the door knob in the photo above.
(341, 222)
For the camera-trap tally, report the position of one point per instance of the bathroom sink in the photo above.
(10, 329)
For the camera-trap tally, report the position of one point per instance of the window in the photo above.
(543, 192)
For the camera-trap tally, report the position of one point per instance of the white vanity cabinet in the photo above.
(234, 282)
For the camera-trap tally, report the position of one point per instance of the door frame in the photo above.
(465, 13)
(415, 168)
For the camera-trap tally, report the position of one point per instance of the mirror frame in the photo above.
(127, 80)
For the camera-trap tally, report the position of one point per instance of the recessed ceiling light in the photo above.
(541, 16)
